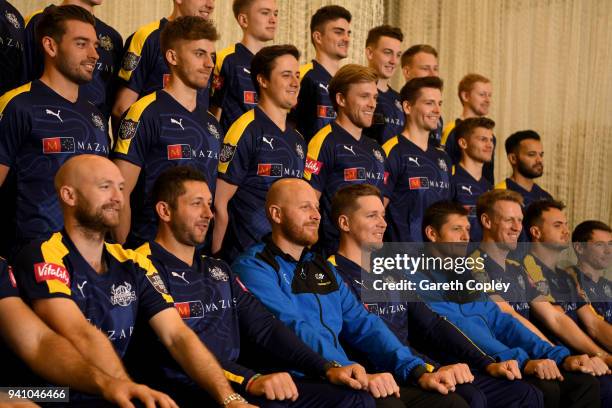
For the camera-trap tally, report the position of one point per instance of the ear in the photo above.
(68, 195)
(578, 248)
(340, 100)
(49, 46)
(463, 96)
(462, 143)
(512, 159)
(405, 70)
(431, 233)
(163, 211)
(274, 211)
(316, 37)
(369, 53)
(243, 21)
(263, 83)
(343, 223)
(535, 233)
(485, 220)
(171, 57)
(406, 107)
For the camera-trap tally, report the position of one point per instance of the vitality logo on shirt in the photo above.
(52, 145)
(270, 169)
(12, 277)
(250, 97)
(354, 174)
(312, 166)
(418, 183)
(45, 271)
(179, 151)
(326, 112)
(190, 310)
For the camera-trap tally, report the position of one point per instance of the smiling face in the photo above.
(366, 224)
(478, 99)
(190, 220)
(199, 8)
(283, 85)
(504, 225)
(384, 56)
(75, 56)
(425, 113)
(300, 217)
(597, 252)
(261, 20)
(334, 39)
(478, 145)
(359, 103)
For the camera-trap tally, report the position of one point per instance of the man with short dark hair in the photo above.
(383, 51)
(339, 154)
(233, 92)
(257, 150)
(417, 173)
(93, 292)
(475, 139)
(592, 243)
(330, 33)
(100, 91)
(564, 379)
(474, 92)
(47, 121)
(306, 293)
(359, 213)
(168, 127)
(236, 323)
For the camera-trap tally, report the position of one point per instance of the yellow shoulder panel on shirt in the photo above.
(304, 70)
(447, 130)
(134, 113)
(390, 144)
(123, 255)
(536, 275)
(29, 18)
(8, 96)
(137, 44)
(314, 149)
(234, 134)
(53, 251)
(144, 249)
(238, 379)
(501, 185)
(453, 170)
(332, 260)
(221, 55)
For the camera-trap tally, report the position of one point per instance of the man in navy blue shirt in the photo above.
(340, 154)
(258, 149)
(417, 172)
(143, 67)
(475, 96)
(383, 52)
(475, 139)
(330, 30)
(47, 121)
(592, 243)
(93, 292)
(168, 127)
(12, 43)
(233, 92)
(228, 319)
(101, 89)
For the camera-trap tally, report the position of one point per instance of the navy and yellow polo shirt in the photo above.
(39, 131)
(449, 141)
(598, 294)
(233, 89)
(336, 159)
(111, 301)
(12, 41)
(465, 190)
(156, 133)
(388, 118)
(314, 109)
(415, 180)
(255, 153)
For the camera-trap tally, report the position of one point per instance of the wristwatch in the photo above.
(331, 364)
(233, 397)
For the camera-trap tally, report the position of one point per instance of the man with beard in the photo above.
(340, 154)
(475, 96)
(233, 92)
(417, 173)
(47, 121)
(306, 293)
(92, 292)
(418, 61)
(168, 127)
(565, 308)
(383, 51)
(101, 89)
(30, 349)
(360, 215)
(258, 149)
(565, 380)
(592, 243)
(143, 67)
(330, 34)
(475, 139)
(227, 318)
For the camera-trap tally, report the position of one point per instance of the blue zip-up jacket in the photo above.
(309, 296)
(497, 333)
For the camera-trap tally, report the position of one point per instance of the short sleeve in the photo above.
(135, 136)
(319, 161)
(392, 170)
(40, 278)
(236, 153)
(153, 292)
(137, 62)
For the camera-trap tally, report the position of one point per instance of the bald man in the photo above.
(92, 292)
(306, 293)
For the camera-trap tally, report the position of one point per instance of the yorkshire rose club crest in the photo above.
(12, 19)
(97, 121)
(106, 43)
(442, 164)
(214, 131)
(300, 151)
(218, 274)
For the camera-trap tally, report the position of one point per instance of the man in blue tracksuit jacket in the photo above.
(497, 333)
(305, 292)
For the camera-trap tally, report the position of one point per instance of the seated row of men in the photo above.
(170, 127)
(180, 321)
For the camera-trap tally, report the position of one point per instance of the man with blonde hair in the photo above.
(339, 154)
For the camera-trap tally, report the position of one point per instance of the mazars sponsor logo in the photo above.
(45, 271)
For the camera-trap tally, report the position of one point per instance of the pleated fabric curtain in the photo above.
(549, 62)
